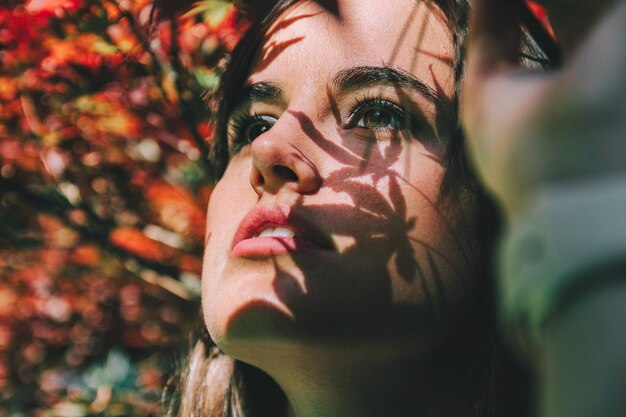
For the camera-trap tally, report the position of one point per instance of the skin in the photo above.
(350, 331)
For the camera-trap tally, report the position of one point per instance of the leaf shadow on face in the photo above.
(446, 117)
(381, 228)
(272, 50)
(385, 247)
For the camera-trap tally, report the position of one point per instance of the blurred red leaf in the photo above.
(8, 298)
(87, 255)
(53, 6)
(177, 209)
(191, 263)
(137, 243)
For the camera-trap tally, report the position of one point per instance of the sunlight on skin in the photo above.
(343, 241)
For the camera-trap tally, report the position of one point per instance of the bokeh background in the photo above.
(103, 183)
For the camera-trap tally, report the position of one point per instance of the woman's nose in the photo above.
(278, 163)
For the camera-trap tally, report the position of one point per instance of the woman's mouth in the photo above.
(274, 230)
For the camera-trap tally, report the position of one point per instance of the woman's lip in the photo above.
(247, 241)
(260, 247)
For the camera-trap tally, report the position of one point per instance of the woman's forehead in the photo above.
(314, 41)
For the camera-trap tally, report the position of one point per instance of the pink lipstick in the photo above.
(276, 229)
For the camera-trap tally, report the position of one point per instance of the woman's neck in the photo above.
(353, 383)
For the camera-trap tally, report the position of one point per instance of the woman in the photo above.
(346, 266)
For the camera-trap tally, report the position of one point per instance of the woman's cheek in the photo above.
(225, 209)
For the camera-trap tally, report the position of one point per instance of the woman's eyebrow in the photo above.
(260, 91)
(366, 76)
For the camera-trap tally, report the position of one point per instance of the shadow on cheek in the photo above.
(258, 319)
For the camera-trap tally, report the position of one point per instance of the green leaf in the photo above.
(117, 367)
(207, 79)
(212, 11)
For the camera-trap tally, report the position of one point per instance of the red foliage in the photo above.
(52, 6)
(103, 191)
(177, 209)
(136, 242)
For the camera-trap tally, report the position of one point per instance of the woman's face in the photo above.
(326, 227)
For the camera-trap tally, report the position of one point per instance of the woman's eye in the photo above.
(377, 115)
(256, 129)
(377, 118)
(249, 127)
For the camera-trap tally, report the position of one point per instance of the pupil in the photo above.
(257, 130)
(378, 118)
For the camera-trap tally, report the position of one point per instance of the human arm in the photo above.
(551, 147)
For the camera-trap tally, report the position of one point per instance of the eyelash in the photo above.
(404, 122)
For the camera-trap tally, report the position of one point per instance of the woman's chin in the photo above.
(252, 328)
(256, 330)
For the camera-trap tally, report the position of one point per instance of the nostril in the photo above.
(285, 173)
